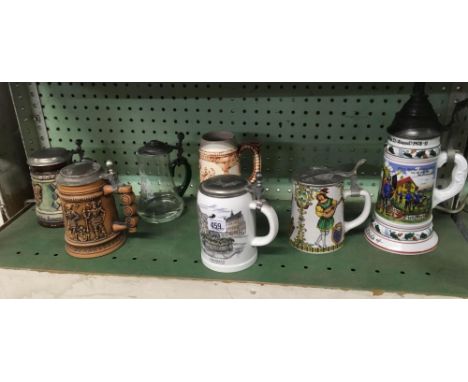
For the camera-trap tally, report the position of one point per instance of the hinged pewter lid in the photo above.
(324, 176)
(417, 118)
(50, 157)
(224, 186)
(80, 173)
(155, 148)
(318, 176)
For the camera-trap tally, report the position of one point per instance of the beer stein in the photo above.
(402, 222)
(226, 215)
(44, 165)
(160, 199)
(220, 155)
(92, 227)
(317, 213)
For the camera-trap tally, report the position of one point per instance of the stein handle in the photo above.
(459, 173)
(182, 161)
(272, 218)
(127, 198)
(365, 212)
(257, 160)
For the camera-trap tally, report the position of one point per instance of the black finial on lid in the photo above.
(417, 118)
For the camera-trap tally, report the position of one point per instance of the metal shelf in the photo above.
(173, 250)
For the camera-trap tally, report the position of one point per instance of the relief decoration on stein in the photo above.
(87, 225)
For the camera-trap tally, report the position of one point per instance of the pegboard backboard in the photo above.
(298, 124)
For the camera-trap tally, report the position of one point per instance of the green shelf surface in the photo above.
(173, 250)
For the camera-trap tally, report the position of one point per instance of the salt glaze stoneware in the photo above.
(44, 165)
(226, 215)
(92, 227)
(220, 155)
(317, 213)
(402, 222)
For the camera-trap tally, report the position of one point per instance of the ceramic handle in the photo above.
(365, 212)
(272, 218)
(257, 160)
(459, 173)
(127, 199)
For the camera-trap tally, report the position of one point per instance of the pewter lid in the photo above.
(80, 173)
(224, 186)
(155, 148)
(319, 176)
(50, 157)
(417, 118)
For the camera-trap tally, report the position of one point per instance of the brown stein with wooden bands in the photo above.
(92, 226)
(44, 165)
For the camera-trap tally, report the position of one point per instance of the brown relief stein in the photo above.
(92, 226)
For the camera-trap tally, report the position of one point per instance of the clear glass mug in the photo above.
(160, 199)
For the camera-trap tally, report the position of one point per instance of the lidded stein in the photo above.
(160, 199)
(317, 213)
(92, 226)
(226, 215)
(402, 222)
(44, 165)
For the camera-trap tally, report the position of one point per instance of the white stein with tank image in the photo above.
(226, 216)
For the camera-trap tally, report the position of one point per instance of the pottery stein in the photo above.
(317, 213)
(226, 215)
(92, 226)
(44, 165)
(220, 155)
(402, 222)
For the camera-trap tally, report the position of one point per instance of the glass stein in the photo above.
(160, 199)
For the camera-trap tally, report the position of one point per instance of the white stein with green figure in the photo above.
(402, 222)
(317, 213)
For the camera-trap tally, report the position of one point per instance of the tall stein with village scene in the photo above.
(227, 206)
(317, 214)
(92, 224)
(402, 222)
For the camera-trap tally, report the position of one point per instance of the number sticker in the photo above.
(217, 225)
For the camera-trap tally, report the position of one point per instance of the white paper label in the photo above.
(217, 225)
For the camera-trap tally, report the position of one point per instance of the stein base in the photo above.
(312, 250)
(399, 248)
(228, 268)
(96, 250)
(50, 224)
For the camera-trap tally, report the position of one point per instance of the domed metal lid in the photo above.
(50, 157)
(318, 176)
(224, 186)
(155, 148)
(80, 173)
(417, 118)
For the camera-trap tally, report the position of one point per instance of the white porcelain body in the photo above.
(402, 222)
(228, 231)
(219, 154)
(313, 232)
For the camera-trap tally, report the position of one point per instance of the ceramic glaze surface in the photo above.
(402, 221)
(48, 207)
(406, 190)
(317, 217)
(228, 230)
(220, 155)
